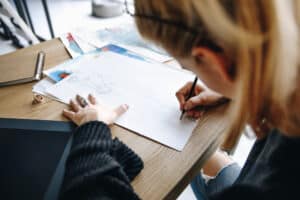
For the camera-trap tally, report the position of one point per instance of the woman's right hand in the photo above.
(202, 98)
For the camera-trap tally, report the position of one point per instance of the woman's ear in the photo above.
(216, 61)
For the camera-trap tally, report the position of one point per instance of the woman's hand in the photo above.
(203, 98)
(82, 111)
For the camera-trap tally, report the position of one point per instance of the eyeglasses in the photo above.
(196, 32)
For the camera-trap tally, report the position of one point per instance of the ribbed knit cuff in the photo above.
(92, 136)
(94, 130)
(131, 163)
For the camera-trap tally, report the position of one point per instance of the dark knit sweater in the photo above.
(99, 167)
(272, 171)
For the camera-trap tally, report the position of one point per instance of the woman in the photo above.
(246, 51)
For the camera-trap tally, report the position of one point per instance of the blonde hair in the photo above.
(262, 38)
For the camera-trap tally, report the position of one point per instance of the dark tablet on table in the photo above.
(32, 154)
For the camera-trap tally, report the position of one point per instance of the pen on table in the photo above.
(39, 66)
(190, 95)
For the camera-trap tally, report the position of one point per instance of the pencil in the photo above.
(190, 95)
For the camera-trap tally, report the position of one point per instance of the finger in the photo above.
(121, 109)
(74, 106)
(81, 101)
(199, 114)
(195, 113)
(194, 102)
(198, 89)
(185, 89)
(189, 113)
(92, 99)
(69, 114)
(182, 93)
(181, 100)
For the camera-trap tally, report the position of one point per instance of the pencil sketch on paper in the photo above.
(95, 83)
(147, 88)
(102, 86)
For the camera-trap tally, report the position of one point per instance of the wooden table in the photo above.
(167, 172)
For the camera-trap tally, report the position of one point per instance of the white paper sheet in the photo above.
(41, 88)
(148, 89)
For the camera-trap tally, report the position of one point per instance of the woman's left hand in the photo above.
(82, 111)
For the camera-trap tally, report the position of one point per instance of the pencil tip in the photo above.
(181, 116)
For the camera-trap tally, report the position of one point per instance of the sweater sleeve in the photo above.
(131, 163)
(245, 192)
(92, 172)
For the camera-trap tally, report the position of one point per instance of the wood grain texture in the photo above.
(167, 172)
